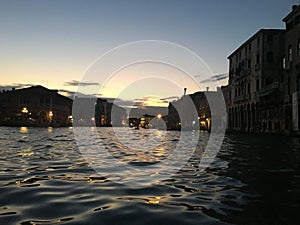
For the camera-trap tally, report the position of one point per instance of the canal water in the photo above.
(44, 179)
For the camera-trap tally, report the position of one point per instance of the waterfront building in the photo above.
(35, 105)
(210, 108)
(254, 75)
(133, 122)
(145, 121)
(90, 111)
(109, 114)
(290, 80)
(201, 105)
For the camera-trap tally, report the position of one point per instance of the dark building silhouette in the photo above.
(210, 111)
(177, 109)
(89, 111)
(35, 105)
(133, 122)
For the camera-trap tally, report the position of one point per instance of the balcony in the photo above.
(268, 89)
(245, 72)
(242, 98)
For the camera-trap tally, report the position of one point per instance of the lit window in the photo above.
(283, 63)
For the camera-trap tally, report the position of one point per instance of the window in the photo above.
(24, 100)
(249, 88)
(298, 82)
(289, 26)
(257, 58)
(269, 81)
(298, 47)
(289, 85)
(284, 63)
(290, 54)
(249, 63)
(270, 39)
(258, 41)
(269, 57)
(249, 47)
(257, 85)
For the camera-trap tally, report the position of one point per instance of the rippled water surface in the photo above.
(44, 179)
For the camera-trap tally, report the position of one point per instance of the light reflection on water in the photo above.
(45, 180)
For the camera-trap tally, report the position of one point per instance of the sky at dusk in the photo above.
(53, 43)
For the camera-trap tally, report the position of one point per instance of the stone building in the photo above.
(254, 75)
(36, 106)
(290, 80)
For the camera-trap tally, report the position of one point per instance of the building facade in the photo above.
(290, 80)
(254, 76)
(36, 105)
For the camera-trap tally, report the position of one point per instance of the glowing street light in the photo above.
(24, 110)
(51, 115)
(159, 116)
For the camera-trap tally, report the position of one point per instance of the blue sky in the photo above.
(54, 42)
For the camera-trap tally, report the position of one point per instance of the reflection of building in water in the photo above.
(181, 111)
(35, 105)
(99, 112)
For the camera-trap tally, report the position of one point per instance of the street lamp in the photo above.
(159, 116)
(24, 110)
(50, 115)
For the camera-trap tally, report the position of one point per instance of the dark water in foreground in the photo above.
(45, 180)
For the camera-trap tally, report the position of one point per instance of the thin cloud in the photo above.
(169, 98)
(15, 85)
(215, 78)
(79, 83)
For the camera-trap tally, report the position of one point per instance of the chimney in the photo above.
(207, 88)
(294, 7)
(184, 91)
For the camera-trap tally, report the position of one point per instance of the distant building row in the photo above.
(39, 106)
